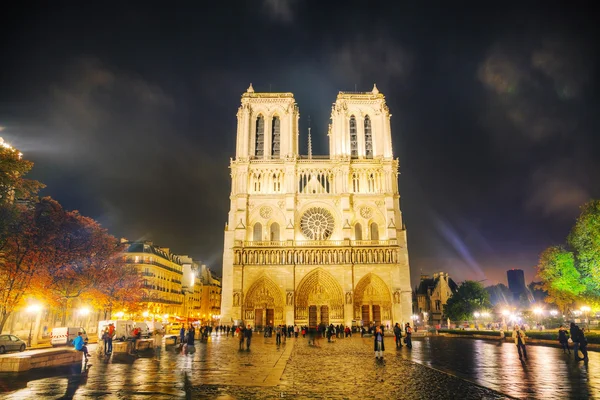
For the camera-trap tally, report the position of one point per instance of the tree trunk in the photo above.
(3, 318)
(63, 321)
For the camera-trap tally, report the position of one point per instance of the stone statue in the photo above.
(290, 299)
(348, 297)
(397, 297)
(236, 299)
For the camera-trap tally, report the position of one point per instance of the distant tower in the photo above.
(516, 282)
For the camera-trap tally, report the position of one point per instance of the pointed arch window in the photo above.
(357, 232)
(374, 231)
(257, 232)
(274, 232)
(275, 137)
(368, 138)
(353, 138)
(260, 136)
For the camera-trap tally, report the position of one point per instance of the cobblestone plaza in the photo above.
(436, 368)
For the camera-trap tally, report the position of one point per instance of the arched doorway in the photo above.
(372, 301)
(319, 300)
(263, 304)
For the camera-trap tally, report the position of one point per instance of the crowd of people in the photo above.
(402, 336)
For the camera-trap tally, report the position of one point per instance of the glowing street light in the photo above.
(83, 311)
(506, 313)
(554, 313)
(538, 311)
(485, 314)
(120, 314)
(476, 314)
(145, 314)
(586, 309)
(33, 309)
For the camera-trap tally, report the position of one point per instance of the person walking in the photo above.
(248, 335)
(519, 337)
(398, 335)
(408, 339)
(240, 333)
(563, 339)
(111, 335)
(182, 334)
(574, 331)
(158, 338)
(278, 335)
(378, 344)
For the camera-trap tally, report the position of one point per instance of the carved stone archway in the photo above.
(320, 291)
(264, 295)
(372, 297)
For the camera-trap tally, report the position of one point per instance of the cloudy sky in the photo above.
(128, 110)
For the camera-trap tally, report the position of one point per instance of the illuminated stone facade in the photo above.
(315, 239)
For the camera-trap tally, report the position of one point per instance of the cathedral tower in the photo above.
(313, 240)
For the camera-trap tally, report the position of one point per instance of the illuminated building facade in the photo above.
(320, 239)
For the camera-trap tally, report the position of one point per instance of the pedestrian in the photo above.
(182, 334)
(240, 332)
(303, 332)
(408, 339)
(519, 337)
(105, 340)
(248, 334)
(158, 338)
(574, 331)
(296, 330)
(398, 335)
(79, 345)
(111, 335)
(563, 339)
(378, 344)
(278, 335)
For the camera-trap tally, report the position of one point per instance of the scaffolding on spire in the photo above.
(309, 141)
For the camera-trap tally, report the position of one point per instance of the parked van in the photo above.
(123, 328)
(143, 327)
(153, 326)
(64, 336)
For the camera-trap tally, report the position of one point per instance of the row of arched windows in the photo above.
(257, 234)
(373, 230)
(354, 137)
(259, 145)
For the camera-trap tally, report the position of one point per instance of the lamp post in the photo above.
(32, 310)
(537, 311)
(586, 310)
(476, 314)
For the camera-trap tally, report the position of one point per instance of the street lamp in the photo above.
(120, 314)
(586, 309)
(425, 320)
(476, 314)
(145, 314)
(32, 310)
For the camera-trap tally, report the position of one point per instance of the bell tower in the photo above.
(267, 126)
(360, 126)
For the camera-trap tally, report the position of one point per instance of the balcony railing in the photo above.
(316, 243)
(148, 262)
(148, 274)
(176, 281)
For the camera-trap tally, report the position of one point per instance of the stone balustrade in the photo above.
(35, 359)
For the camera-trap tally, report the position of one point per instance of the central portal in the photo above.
(319, 300)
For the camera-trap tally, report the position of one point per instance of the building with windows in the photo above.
(516, 283)
(162, 273)
(431, 296)
(210, 308)
(315, 239)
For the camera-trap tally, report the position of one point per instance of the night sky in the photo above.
(128, 110)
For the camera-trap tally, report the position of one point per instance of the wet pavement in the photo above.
(436, 368)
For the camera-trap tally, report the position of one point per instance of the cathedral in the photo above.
(315, 239)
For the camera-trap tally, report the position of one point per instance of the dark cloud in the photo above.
(130, 115)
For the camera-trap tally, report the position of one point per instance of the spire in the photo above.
(250, 89)
(309, 141)
(375, 90)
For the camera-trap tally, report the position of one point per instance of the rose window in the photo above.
(317, 223)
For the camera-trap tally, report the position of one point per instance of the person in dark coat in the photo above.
(248, 335)
(378, 345)
(398, 335)
(408, 339)
(574, 331)
(563, 339)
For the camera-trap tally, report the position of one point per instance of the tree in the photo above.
(82, 254)
(572, 272)
(25, 248)
(470, 297)
(13, 185)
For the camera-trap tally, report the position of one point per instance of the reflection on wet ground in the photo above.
(436, 368)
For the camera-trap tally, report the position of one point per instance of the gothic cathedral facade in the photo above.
(313, 240)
